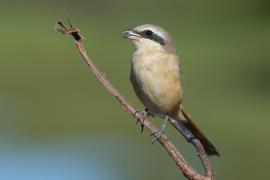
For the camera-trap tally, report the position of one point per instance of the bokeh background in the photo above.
(57, 122)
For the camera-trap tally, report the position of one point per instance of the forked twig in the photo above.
(186, 169)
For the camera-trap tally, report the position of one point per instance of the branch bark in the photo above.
(186, 169)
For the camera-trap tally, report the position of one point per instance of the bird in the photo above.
(156, 78)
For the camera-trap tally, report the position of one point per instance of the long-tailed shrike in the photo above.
(157, 81)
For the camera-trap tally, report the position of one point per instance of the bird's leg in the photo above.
(142, 113)
(157, 134)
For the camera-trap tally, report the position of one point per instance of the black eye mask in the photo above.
(152, 36)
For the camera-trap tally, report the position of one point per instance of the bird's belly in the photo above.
(158, 87)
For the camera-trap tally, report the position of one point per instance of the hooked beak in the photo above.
(130, 34)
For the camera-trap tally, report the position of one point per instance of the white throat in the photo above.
(147, 46)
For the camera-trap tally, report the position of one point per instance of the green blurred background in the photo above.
(58, 122)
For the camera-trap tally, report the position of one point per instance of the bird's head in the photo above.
(151, 37)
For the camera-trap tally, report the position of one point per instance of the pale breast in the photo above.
(156, 79)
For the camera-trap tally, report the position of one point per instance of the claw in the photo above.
(142, 128)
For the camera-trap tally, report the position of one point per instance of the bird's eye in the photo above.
(148, 32)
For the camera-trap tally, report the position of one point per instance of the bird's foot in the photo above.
(142, 115)
(157, 134)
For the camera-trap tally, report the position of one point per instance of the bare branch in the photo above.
(186, 169)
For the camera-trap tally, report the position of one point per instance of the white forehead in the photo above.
(155, 29)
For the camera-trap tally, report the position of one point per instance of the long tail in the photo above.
(186, 123)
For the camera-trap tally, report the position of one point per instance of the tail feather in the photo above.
(195, 130)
